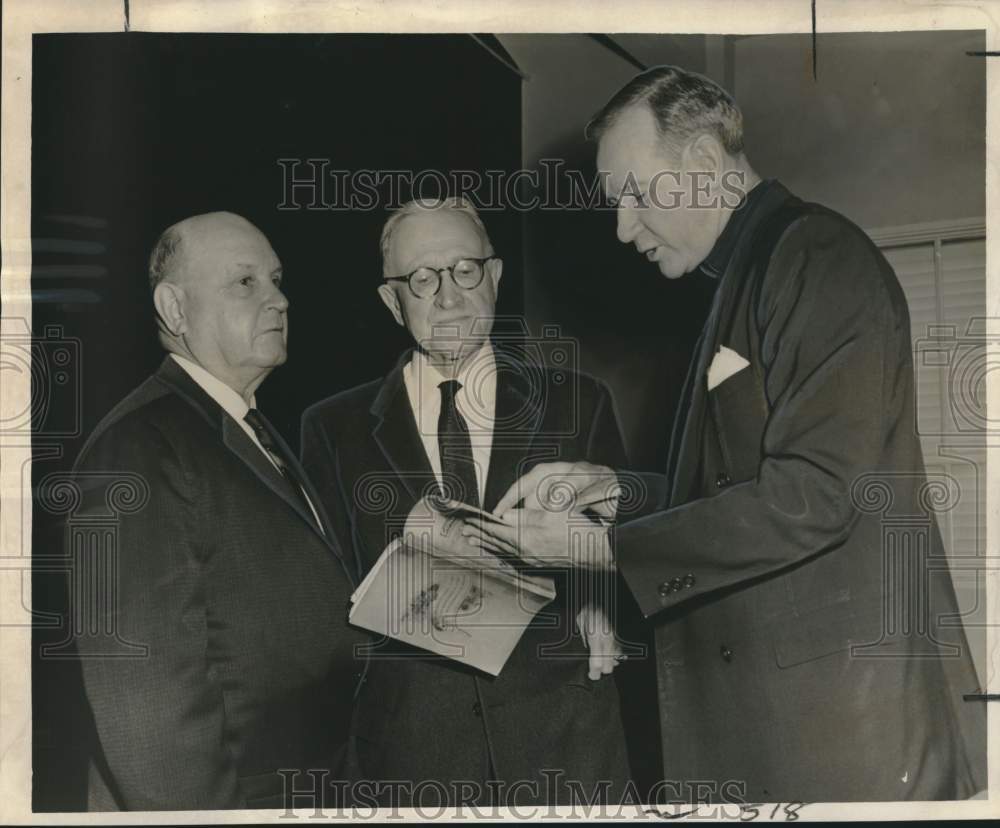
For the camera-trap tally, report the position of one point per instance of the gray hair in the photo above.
(456, 203)
(684, 104)
(162, 259)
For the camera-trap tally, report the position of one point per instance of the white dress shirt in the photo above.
(235, 406)
(475, 400)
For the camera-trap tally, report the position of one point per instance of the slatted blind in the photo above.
(945, 287)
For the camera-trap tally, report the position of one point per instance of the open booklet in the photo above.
(431, 589)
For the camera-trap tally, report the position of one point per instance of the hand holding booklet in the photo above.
(430, 588)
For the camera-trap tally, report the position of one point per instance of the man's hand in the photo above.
(599, 637)
(433, 528)
(544, 538)
(565, 487)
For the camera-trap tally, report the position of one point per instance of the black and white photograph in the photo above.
(496, 413)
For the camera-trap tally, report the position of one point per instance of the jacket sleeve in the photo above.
(834, 337)
(159, 715)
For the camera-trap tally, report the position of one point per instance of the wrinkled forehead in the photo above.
(222, 247)
(434, 237)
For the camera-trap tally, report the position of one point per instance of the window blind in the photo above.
(945, 287)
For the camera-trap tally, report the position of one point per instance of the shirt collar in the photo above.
(478, 369)
(230, 401)
(718, 259)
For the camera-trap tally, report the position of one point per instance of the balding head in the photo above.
(187, 243)
(216, 286)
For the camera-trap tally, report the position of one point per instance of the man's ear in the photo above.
(168, 299)
(706, 154)
(391, 301)
(496, 271)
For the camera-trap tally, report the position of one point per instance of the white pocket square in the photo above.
(724, 364)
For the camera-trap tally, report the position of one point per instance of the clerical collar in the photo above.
(716, 262)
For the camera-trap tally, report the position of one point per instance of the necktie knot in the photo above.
(449, 388)
(256, 421)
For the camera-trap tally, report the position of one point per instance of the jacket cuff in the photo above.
(655, 584)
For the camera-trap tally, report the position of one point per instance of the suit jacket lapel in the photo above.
(685, 450)
(239, 443)
(516, 420)
(686, 445)
(681, 431)
(517, 416)
(395, 432)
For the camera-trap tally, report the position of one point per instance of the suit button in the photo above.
(722, 480)
(665, 589)
(726, 653)
(477, 710)
(676, 584)
(689, 581)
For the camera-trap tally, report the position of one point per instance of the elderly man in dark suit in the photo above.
(471, 415)
(229, 576)
(804, 651)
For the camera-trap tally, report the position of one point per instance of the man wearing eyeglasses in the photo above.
(467, 414)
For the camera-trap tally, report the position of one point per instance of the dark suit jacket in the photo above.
(426, 718)
(795, 573)
(239, 600)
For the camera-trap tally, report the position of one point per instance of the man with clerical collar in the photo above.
(466, 415)
(794, 662)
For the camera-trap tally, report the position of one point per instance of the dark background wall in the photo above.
(134, 132)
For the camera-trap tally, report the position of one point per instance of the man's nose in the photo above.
(449, 293)
(278, 300)
(628, 224)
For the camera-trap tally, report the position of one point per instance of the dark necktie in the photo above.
(458, 469)
(267, 437)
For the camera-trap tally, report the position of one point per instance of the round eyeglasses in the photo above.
(425, 282)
